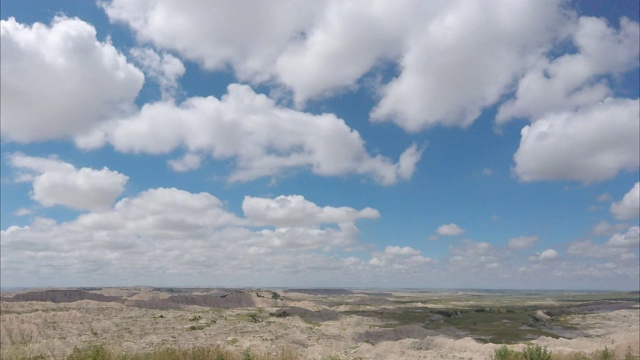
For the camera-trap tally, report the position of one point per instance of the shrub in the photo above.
(536, 352)
(502, 353)
(246, 355)
(606, 354)
(629, 355)
(90, 352)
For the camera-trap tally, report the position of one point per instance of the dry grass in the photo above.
(536, 352)
(101, 352)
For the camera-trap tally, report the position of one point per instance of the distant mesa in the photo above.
(321, 291)
(215, 298)
(61, 296)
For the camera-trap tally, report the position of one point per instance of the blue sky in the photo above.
(328, 143)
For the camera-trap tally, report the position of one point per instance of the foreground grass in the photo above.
(536, 352)
(100, 352)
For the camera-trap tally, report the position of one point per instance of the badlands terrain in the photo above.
(317, 323)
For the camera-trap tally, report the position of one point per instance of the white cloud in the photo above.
(248, 36)
(590, 145)
(58, 183)
(629, 207)
(620, 245)
(458, 63)
(468, 257)
(604, 228)
(522, 242)
(59, 81)
(164, 68)
(630, 239)
(295, 210)
(548, 254)
(23, 212)
(193, 230)
(571, 81)
(348, 38)
(264, 139)
(205, 242)
(399, 258)
(472, 250)
(400, 251)
(450, 230)
(188, 162)
(318, 48)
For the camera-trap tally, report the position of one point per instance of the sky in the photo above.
(332, 143)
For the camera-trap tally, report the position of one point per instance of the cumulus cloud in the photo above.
(319, 48)
(247, 36)
(59, 80)
(522, 242)
(163, 68)
(450, 230)
(295, 210)
(605, 228)
(629, 207)
(186, 163)
(397, 257)
(264, 139)
(589, 145)
(572, 81)
(59, 183)
(469, 257)
(472, 250)
(347, 39)
(630, 239)
(23, 212)
(548, 254)
(623, 246)
(477, 59)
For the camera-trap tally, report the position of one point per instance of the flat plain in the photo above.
(318, 323)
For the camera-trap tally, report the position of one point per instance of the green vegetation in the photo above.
(497, 326)
(536, 352)
(101, 352)
(486, 325)
(252, 317)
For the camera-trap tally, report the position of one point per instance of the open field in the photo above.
(316, 323)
